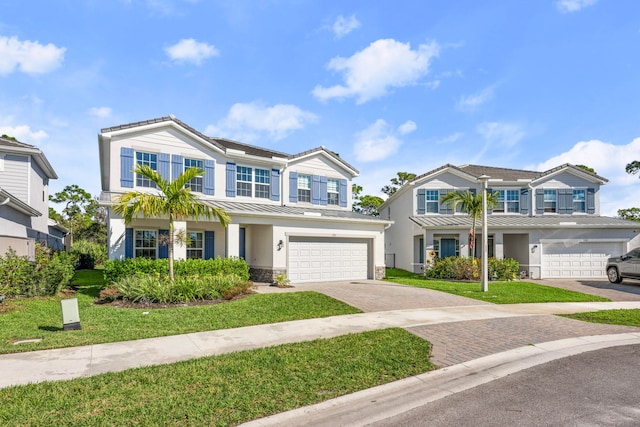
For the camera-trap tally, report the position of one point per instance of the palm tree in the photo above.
(471, 204)
(174, 199)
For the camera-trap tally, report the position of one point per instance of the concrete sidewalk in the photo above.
(75, 362)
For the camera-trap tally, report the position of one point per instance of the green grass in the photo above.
(222, 390)
(23, 319)
(499, 292)
(612, 317)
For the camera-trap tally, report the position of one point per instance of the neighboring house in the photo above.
(291, 214)
(547, 221)
(24, 198)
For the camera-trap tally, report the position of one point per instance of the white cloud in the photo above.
(568, 6)
(376, 142)
(502, 134)
(609, 161)
(100, 111)
(450, 138)
(28, 57)
(23, 133)
(248, 121)
(382, 65)
(191, 51)
(471, 102)
(344, 26)
(407, 127)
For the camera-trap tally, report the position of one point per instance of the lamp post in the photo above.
(485, 236)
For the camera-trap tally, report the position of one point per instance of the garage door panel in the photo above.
(313, 259)
(579, 260)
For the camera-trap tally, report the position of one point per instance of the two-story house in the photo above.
(547, 221)
(291, 214)
(24, 199)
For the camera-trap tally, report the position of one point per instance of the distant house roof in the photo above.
(17, 147)
(223, 144)
(523, 221)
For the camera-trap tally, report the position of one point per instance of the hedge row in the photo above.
(458, 268)
(114, 270)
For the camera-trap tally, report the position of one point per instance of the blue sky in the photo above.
(391, 86)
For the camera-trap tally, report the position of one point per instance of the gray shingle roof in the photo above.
(11, 143)
(522, 221)
(505, 174)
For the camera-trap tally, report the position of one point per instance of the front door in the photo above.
(447, 248)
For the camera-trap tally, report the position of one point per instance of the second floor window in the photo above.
(243, 181)
(508, 201)
(196, 183)
(333, 192)
(579, 204)
(550, 200)
(263, 179)
(433, 201)
(304, 188)
(147, 159)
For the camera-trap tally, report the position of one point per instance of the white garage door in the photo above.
(318, 259)
(577, 260)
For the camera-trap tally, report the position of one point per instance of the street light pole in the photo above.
(485, 235)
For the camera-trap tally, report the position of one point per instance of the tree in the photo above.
(173, 199)
(631, 214)
(471, 204)
(633, 167)
(79, 208)
(355, 197)
(369, 205)
(587, 168)
(398, 182)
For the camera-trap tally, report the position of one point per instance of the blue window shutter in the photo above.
(445, 208)
(293, 187)
(164, 166)
(323, 191)
(243, 243)
(524, 201)
(591, 200)
(126, 167)
(163, 244)
(565, 201)
(343, 193)
(208, 244)
(177, 167)
(539, 201)
(209, 177)
(422, 201)
(231, 179)
(275, 185)
(472, 191)
(315, 189)
(128, 242)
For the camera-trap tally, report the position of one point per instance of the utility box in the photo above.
(70, 314)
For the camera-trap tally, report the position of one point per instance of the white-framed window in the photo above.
(579, 201)
(432, 203)
(146, 244)
(508, 201)
(196, 183)
(304, 188)
(148, 159)
(333, 192)
(550, 198)
(263, 181)
(243, 181)
(195, 245)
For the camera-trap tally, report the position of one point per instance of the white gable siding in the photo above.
(448, 181)
(15, 176)
(39, 197)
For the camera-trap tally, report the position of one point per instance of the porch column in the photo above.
(179, 248)
(463, 240)
(498, 244)
(233, 240)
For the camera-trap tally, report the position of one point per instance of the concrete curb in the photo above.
(375, 404)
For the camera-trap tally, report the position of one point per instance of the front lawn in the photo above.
(222, 390)
(629, 317)
(41, 318)
(499, 292)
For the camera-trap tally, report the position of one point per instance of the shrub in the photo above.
(148, 288)
(457, 268)
(89, 254)
(50, 271)
(115, 270)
